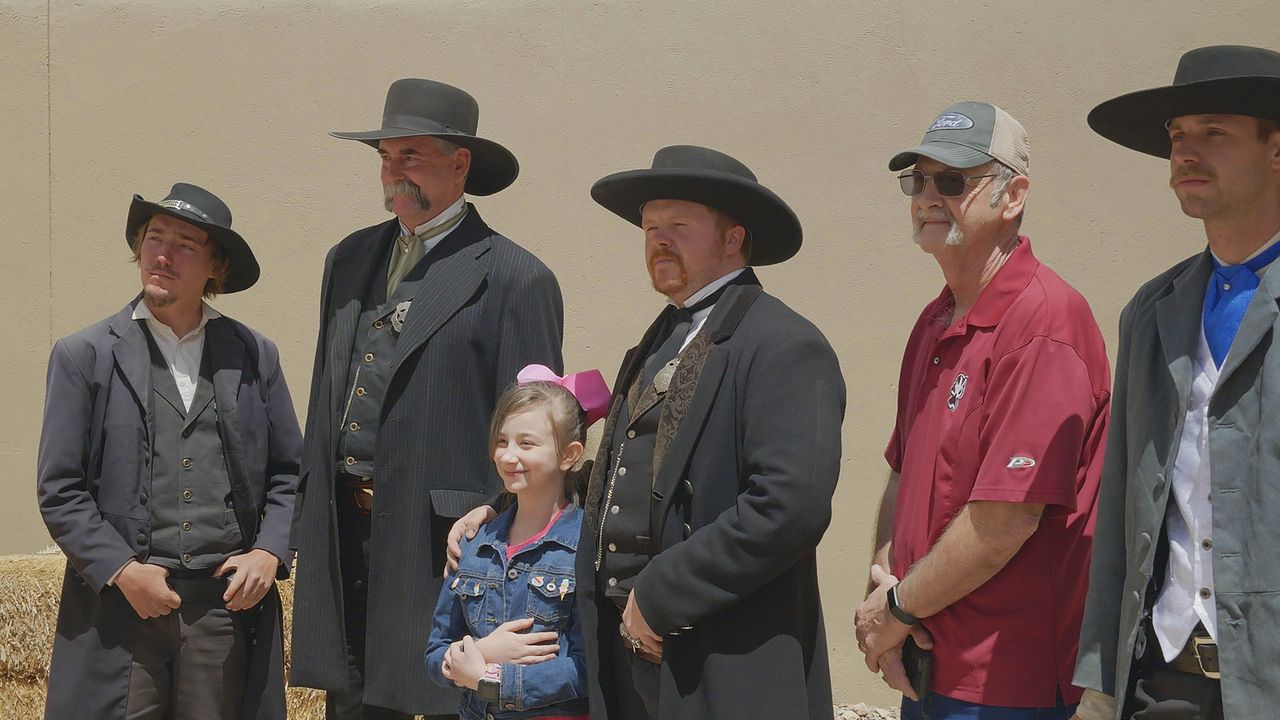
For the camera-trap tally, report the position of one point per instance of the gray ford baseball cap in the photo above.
(968, 134)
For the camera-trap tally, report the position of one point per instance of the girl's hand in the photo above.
(509, 644)
(464, 664)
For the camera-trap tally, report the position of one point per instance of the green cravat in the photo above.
(409, 250)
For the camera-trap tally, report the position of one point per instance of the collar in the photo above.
(444, 217)
(709, 288)
(142, 312)
(493, 533)
(994, 300)
(1265, 246)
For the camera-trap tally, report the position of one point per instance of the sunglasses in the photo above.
(949, 183)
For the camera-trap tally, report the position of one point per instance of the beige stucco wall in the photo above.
(102, 100)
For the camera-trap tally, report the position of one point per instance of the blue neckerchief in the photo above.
(1230, 289)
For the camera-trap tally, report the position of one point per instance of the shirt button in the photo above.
(1207, 544)
(186, 463)
(187, 495)
(351, 460)
(354, 426)
(936, 359)
(1205, 593)
(377, 324)
(186, 526)
(613, 547)
(186, 557)
(622, 471)
(615, 509)
(360, 391)
(631, 433)
(1226, 286)
(613, 582)
(368, 357)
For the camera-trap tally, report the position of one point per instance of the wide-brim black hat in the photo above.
(195, 205)
(1215, 80)
(711, 178)
(426, 107)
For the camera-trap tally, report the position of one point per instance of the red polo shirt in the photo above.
(1008, 404)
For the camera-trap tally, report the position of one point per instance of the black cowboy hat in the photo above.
(206, 211)
(711, 178)
(426, 107)
(1215, 80)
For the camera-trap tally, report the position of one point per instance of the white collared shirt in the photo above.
(448, 214)
(181, 353)
(700, 317)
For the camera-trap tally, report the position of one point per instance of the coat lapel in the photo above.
(1259, 320)
(1178, 321)
(133, 357)
(353, 277)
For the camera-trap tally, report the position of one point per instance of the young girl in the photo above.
(506, 626)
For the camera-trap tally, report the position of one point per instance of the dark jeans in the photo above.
(940, 707)
(191, 663)
(353, 546)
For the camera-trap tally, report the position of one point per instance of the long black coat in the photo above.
(489, 308)
(94, 477)
(747, 456)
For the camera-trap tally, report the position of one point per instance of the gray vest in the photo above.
(377, 334)
(626, 544)
(193, 521)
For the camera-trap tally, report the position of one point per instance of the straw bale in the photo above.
(21, 699)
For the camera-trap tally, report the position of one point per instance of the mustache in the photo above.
(663, 254)
(404, 187)
(934, 215)
(1190, 174)
(166, 269)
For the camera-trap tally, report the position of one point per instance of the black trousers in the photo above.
(353, 545)
(190, 664)
(635, 681)
(1162, 693)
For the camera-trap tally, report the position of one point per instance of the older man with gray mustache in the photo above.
(982, 546)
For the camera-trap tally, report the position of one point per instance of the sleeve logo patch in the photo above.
(1020, 461)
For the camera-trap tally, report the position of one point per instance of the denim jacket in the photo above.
(487, 591)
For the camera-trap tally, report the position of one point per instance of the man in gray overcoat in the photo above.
(1183, 613)
(424, 320)
(167, 467)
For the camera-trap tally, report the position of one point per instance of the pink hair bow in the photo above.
(587, 387)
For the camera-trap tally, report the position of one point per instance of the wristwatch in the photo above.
(489, 688)
(896, 610)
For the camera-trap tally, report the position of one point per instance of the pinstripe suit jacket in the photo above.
(489, 308)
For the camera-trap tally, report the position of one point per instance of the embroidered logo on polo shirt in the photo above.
(957, 391)
(1018, 462)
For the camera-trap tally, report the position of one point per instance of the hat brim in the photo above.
(493, 167)
(774, 228)
(242, 266)
(1137, 120)
(948, 153)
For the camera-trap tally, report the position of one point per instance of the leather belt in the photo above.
(360, 488)
(1198, 657)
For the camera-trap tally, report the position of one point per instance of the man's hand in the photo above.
(637, 627)
(894, 673)
(145, 588)
(464, 664)
(509, 643)
(466, 525)
(878, 631)
(255, 572)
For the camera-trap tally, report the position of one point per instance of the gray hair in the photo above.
(1000, 183)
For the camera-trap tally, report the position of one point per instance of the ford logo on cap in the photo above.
(951, 121)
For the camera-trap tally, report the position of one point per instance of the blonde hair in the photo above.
(568, 419)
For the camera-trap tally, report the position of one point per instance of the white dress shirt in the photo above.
(700, 317)
(449, 213)
(183, 354)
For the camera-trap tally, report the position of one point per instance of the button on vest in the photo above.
(626, 547)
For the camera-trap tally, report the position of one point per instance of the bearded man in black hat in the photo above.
(167, 467)
(425, 319)
(1183, 612)
(713, 483)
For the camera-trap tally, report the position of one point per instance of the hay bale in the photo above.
(21, 699)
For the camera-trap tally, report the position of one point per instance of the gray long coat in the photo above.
(1159, 334)
(747, 456)
(490, 308)
(94, 476)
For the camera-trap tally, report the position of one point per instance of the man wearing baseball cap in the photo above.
(982, 545)
(1183, 615)
(167, 468)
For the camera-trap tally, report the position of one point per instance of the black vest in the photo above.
(193, 520)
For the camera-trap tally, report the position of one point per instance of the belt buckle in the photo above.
(1211, 646)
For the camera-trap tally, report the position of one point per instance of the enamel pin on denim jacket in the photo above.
(488, 590)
